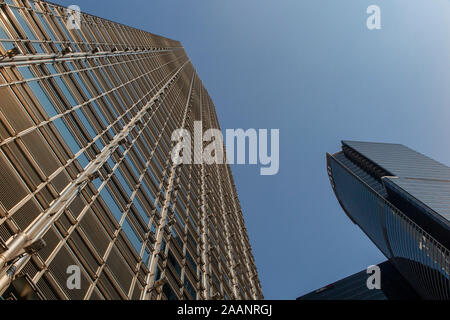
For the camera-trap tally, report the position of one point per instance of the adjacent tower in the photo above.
(87, 185)
(401, 200)
(392, 287)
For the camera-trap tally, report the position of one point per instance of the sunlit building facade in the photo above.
(401, 200)
(86, 177)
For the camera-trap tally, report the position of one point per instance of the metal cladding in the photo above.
(86, 177)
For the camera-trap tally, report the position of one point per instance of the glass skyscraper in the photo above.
(86, 178)
(392, 287)
(401, 200)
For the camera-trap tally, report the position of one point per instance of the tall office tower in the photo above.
(392, 287)
(88, 188)
(401, 200)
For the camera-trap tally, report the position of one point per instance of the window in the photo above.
(47, 29)
(67, 93)
(27, 29)
(180, 202)
(132, 165)
(67, 135)
(226, 279)
(156, 180)
(191, 261)
(153, 229)
(141, 211)
(177, 238)
(43, 98)
(179, 219)
(169, 293)
(193, 222)
(6, 44)
(38, 91)
(84, 161)
(157, 274)
(190, 288)
(173, 261)
(147, 191)
(111, 203)
(139, 153)
(125, 185)
(86, 123)
(146, 257)
(192, 241)
(132, 236)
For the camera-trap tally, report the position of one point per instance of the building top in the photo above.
(424, 181)
(401, 161)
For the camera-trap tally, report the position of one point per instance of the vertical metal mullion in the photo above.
(165, 209)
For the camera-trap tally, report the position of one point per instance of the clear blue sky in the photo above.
(312, 69)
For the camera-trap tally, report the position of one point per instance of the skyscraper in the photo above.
(401, 200)
(392, 287)
(87, 185)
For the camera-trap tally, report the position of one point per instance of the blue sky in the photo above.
(313, 70)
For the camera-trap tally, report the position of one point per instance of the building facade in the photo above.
(401, 200)
(87, 184)
(392, 287)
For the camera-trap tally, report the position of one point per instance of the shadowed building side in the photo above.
(393, 287)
